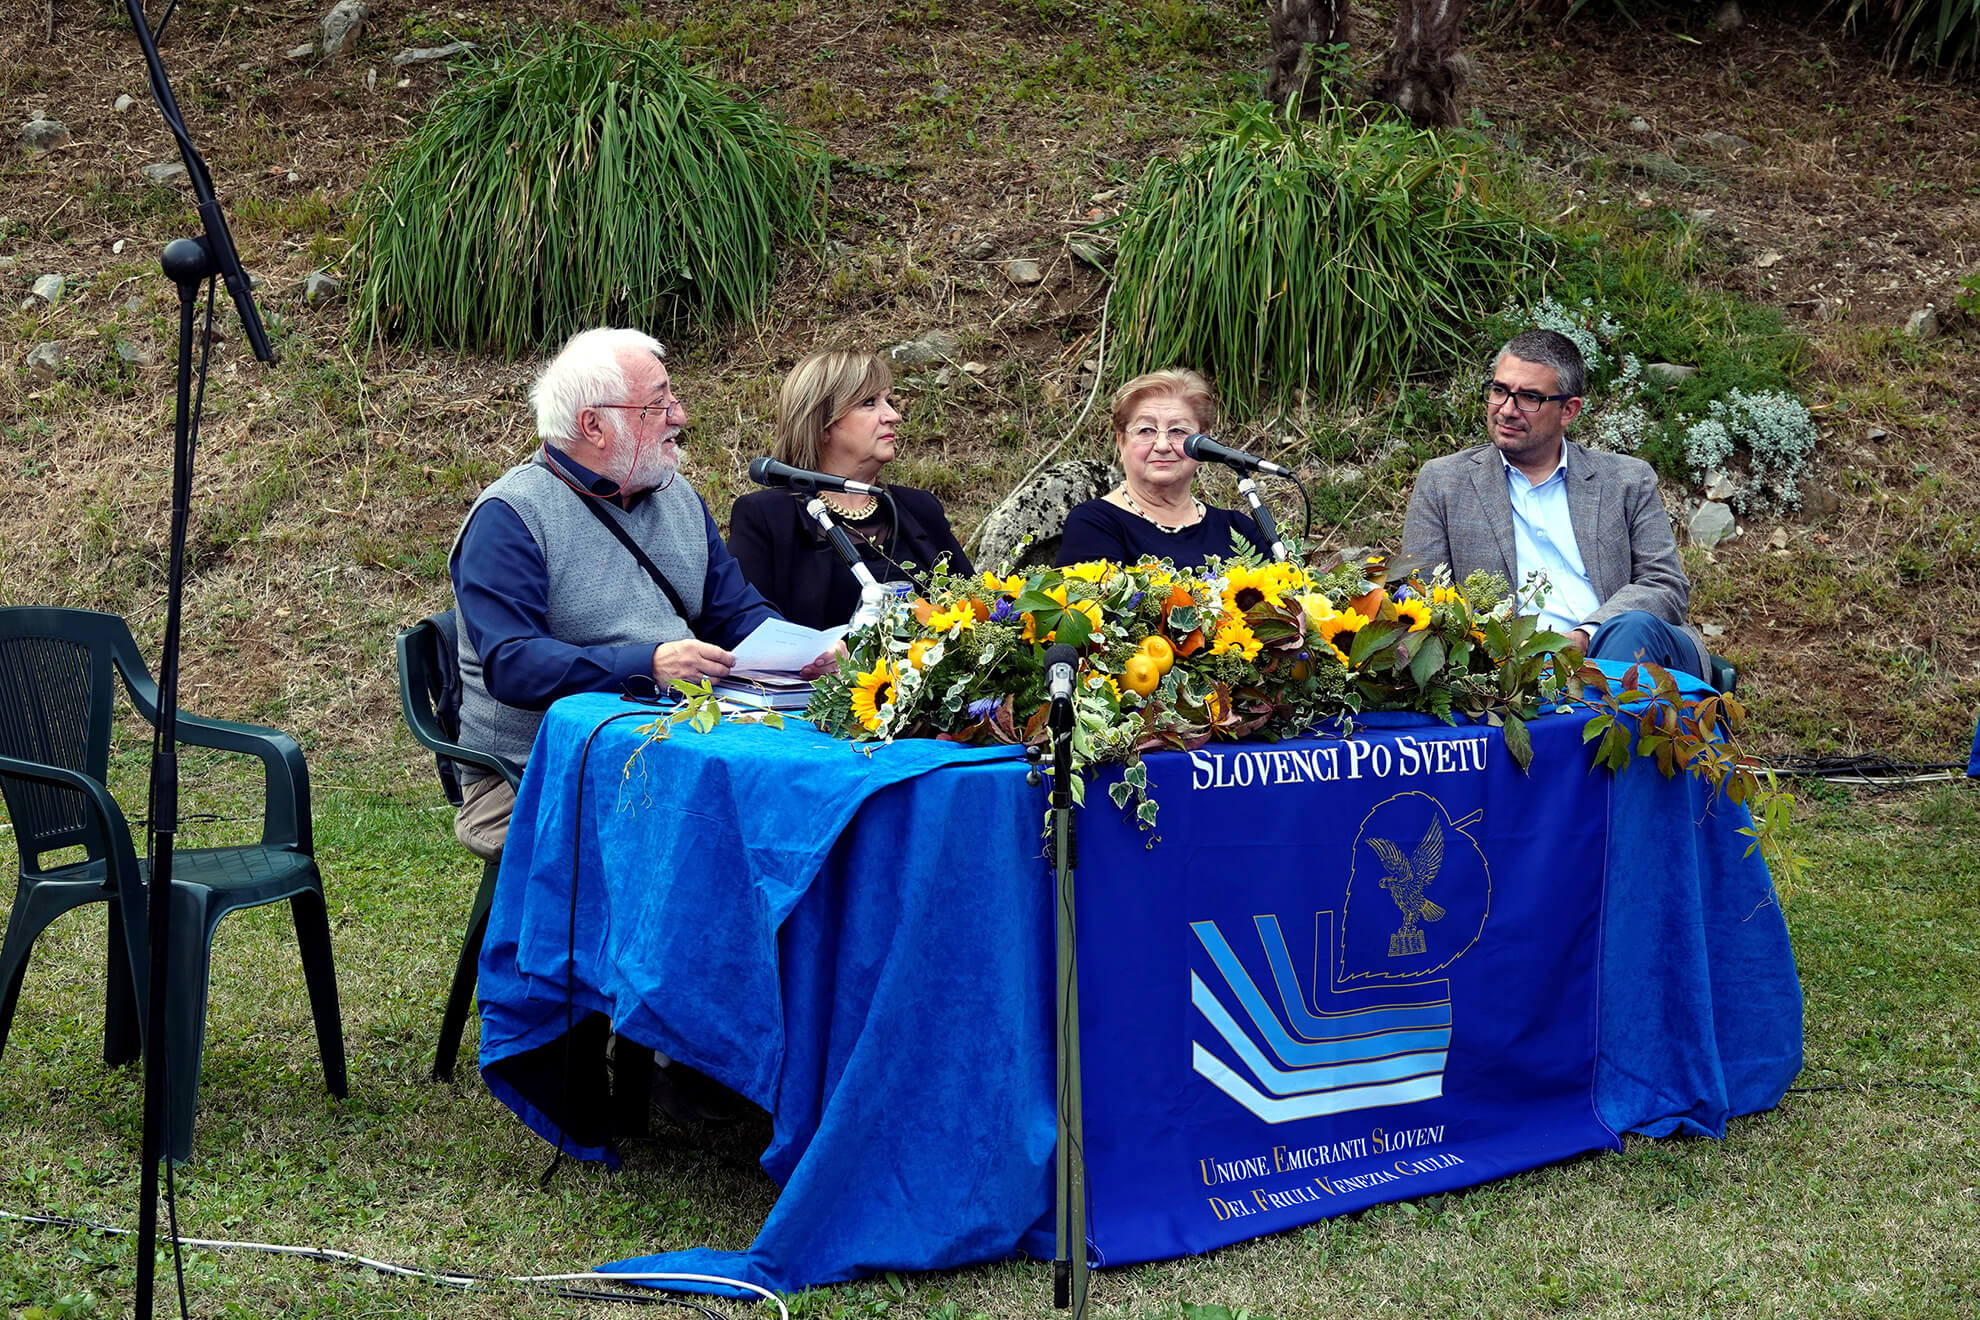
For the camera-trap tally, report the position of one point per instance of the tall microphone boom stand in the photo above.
(1069, 1268)
(1263, 517)
(188, 263)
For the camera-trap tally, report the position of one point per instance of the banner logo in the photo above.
(1442, 889)
(1286, 1057)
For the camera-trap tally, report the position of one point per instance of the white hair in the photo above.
(584, 373)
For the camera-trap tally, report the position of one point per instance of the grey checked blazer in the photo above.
(1460, 514)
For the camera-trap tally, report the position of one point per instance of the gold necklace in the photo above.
(1196, 516)
(854, 512)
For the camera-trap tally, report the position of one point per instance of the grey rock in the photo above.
(320, 288)
(342, 25)
(1719, 486)
(1876, 433)
(42, 134)
(1704, 217)
(8, 263)
(48, 289)
(943, 378)
(1779, 540)
(1712, 524)
(44, 359)
(1656, 165)
(1922, 324)
(1038, 509)
(931, 347)
(428, 54)
(133, 305)
(136, 353)
(1639, 125)
(1730, 143)
(164, 171)
(122, 103)
(1713, 630)
(1818, 501)
(371, 80)
(1728, 16)
(1022, 272)
(1669, 372)
(302, 52)
(983, 250)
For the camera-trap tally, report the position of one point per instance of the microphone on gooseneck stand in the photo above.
(769, 472)
(1205, 450)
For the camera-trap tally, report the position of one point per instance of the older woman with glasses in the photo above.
(1155, 510)
(836, 414)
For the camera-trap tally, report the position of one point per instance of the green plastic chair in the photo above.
(429, 655)
(56, 704)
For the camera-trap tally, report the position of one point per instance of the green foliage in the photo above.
(1938, 31)
(1313, 261)
(575, 180)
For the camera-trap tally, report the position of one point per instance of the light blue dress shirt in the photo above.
(1543, 536)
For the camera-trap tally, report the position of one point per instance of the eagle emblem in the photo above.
(1406, 879)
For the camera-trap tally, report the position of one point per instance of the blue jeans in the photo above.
(1640, 635)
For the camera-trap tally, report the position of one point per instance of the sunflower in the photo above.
(1339, 630)
(1416, 612)
(941, 621)
(871, 691)
(1234, 634)
(1096, 681)
(1245, 587)
(1446, 596)
(1093, 570)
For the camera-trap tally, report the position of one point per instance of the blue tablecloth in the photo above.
(860, 941)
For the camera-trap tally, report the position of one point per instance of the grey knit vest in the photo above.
(599, 595)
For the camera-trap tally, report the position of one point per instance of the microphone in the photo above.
(1060, 661)
(1205, 450)
(769, 472)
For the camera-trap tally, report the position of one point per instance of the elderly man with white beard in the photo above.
(590, 565)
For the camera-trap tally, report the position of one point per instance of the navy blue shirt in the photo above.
(1099, 529)
(503, 588)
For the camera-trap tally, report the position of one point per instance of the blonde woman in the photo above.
(836, 414)
(1155, 509)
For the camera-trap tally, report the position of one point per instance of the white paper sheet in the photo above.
(779, 648)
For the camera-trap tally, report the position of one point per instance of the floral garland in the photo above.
(1173, 658)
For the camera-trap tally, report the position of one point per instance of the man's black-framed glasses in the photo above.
(1496, 393)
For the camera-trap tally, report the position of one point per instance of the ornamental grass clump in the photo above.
(1308, 262)
(578, 180)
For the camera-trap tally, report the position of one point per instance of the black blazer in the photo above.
(786, 557)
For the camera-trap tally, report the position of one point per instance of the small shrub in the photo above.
(576, 180)
(1305, 262)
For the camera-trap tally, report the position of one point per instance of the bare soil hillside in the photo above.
(964, 137)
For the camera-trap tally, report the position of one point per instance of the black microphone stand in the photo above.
(1262, 516)
(1069, 1267)
(870, 592)
(188, 263)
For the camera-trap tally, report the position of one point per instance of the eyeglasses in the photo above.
(1527, 401)
(1146, 434)
(659, 408)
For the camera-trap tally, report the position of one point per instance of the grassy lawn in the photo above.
(1857, 1197)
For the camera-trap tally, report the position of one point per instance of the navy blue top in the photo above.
(503, 587)
(1100, 530)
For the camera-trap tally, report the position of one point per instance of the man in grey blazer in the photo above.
(1532, 499)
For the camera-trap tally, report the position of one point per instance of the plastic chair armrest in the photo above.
(116, 831)
(285, 814)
